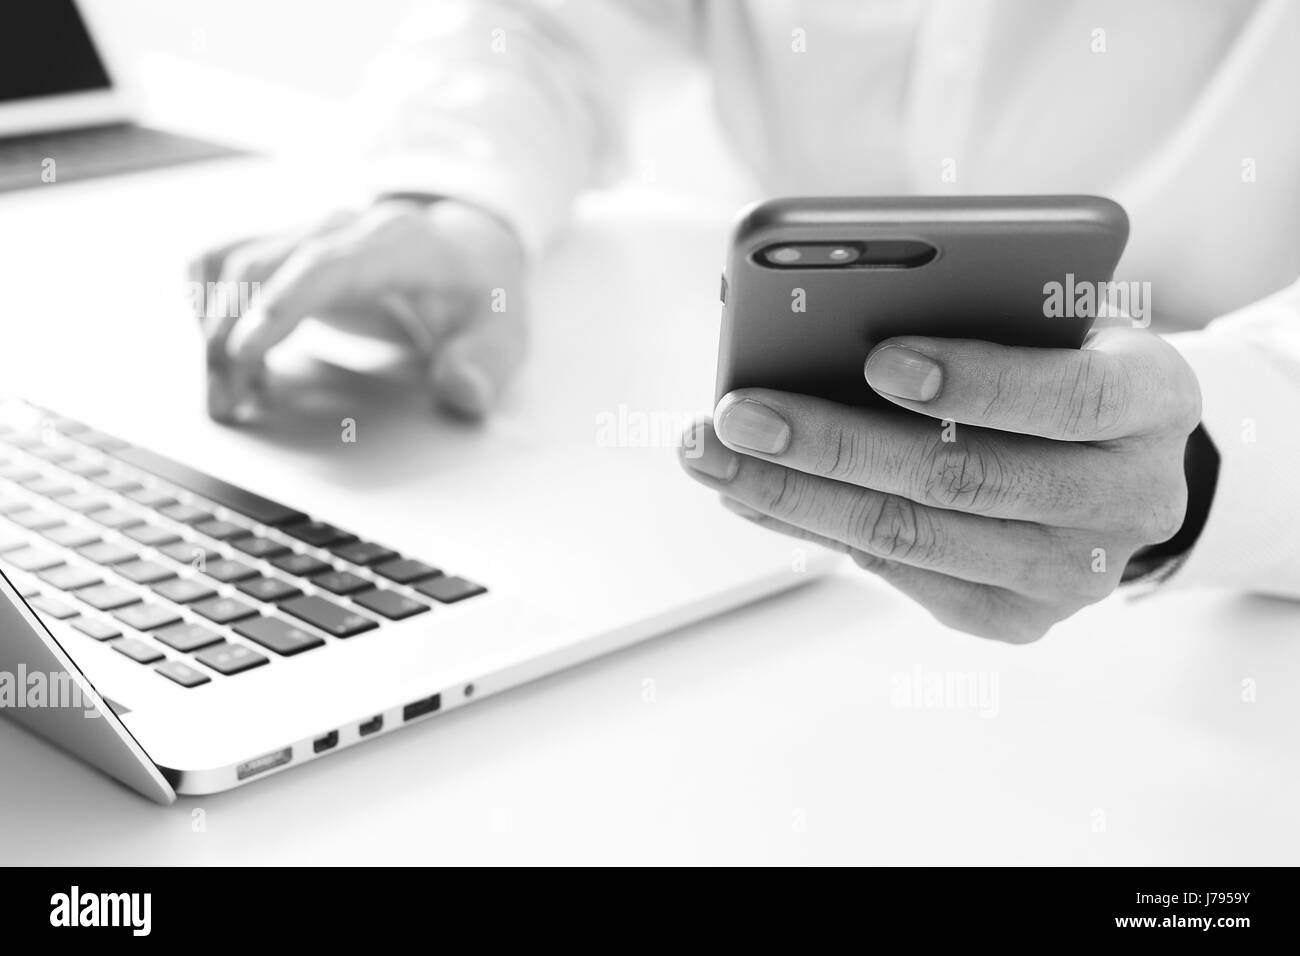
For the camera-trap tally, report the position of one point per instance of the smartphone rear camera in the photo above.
(812, 255)
(877, 254)
(784, 255)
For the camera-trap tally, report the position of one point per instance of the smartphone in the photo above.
(811, 285)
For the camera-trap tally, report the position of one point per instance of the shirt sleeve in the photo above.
(1248, 364)
(514, 106)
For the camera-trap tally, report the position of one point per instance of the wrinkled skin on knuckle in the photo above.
(892, 527)
(969, 475)
(783, 494)
(843, 451)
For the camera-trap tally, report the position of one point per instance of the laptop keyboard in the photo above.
(182, 572)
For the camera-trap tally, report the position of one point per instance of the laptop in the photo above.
(191, 609)
(186, 635)
(64, 114)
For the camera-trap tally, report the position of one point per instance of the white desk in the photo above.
(773, 734)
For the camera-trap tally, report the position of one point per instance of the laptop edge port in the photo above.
(419, 708)
(328, 742)
(372, 725)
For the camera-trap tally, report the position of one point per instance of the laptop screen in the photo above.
(45, 50)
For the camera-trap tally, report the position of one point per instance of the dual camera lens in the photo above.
(809, 255)
(877, 254)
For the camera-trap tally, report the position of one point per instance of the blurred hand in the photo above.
(1060, 466)
(448, 274)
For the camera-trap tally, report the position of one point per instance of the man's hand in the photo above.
(1013, 498)
(445, 273)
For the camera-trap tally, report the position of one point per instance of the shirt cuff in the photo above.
(496, 190)
(1251, 538)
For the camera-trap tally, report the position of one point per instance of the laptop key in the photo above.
(449, 590)
(8, 544)
(224, 610)
(256, 547)
(190, 552)
(300, 565)
(116, 518)
(66, 425)
(85, 469)
(269, 589)
(183, 590)
(390, 604)
(228, 571)
(146, 617)
(34, 519)
(119, 483)
(188, 637)
(144, 572)
(151, 535)
(151, 497)
(183, 674)
(341, 582)
(262, 510)
(94, 628)
(222, 530)
(32, 559)
(138, 650)
(67, 577)
(406, 570)
(231, 658)
(71, 535)
(97, 439)
(327, 616)
(48, 487)
(277, 635)
(92, 470)
(53, 607)
(185, 514)
(319, 534)
(52, 453)
(82, 503)
(14, 471)
(105, 552)
(106, 597)
(364, 552)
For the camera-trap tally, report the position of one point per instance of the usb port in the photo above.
(421, 707)
(264, 763)
(328, 742)
(372, 725)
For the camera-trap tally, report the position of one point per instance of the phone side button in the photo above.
(722, 293)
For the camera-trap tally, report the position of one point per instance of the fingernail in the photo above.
(903, 373)
(754, 426)
(709, 456)
(465, 388)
